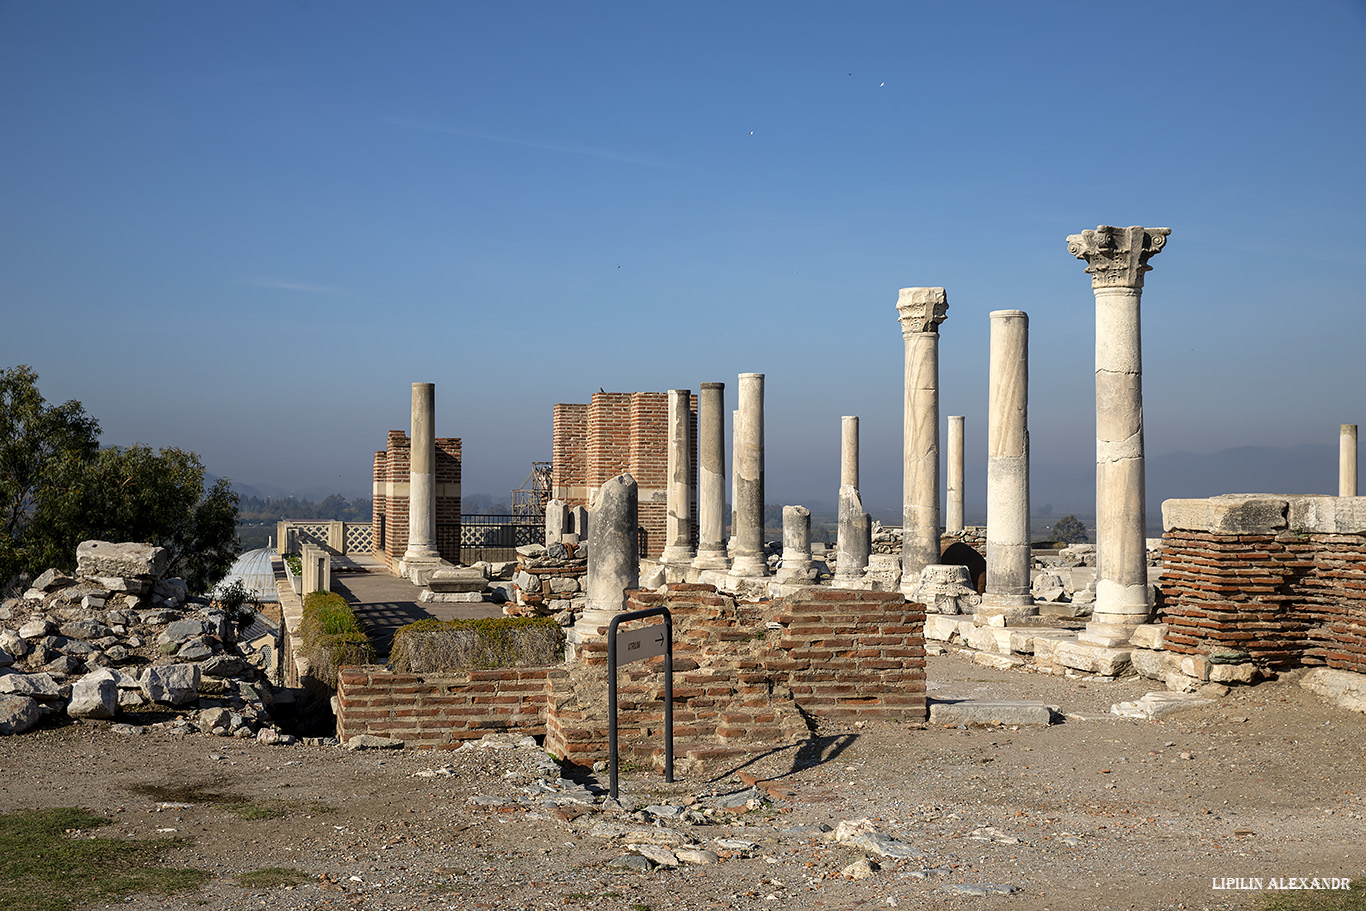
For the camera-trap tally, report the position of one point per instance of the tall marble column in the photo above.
(711, 477)
(853, 545)
(734, 482)
(613, 554)
(748, 560)
(1008, 590)
(422, 478)
(953, 508)
(1117, 259)
(920, 311)
(1347, 461)
(678, 548)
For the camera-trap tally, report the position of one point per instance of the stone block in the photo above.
(1149, 635)
(999, 662)
(944, 628)
(990, 639)
(176, 684)
(18, 714)
(95, 695)
(970, 711)
(1232, 673)
(41, 686)
(1196, 666)
(1344, 688)
(1155, 665)
(1093, 659)
(1231, 514)
(462, 579)
(1158, 705)
(1046, 646)
(126, 560)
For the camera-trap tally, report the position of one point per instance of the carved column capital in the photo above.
(921, 309)
(1117, 257)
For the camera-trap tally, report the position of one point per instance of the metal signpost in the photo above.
(636, 645)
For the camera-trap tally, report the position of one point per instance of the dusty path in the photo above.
(1097, 813)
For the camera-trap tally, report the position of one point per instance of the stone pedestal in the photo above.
(920, 311)
(1008, 591)
(797, 565)
(953, 508)
(1117, 259)
(678, 548)
(422, 482)
(711, 478)
(578, 521)
(613, 555)
(1347, 461)
(748, 561)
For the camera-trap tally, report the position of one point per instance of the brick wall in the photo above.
(1282, 578)
(392, 476)
(621, 432)
(839, 655)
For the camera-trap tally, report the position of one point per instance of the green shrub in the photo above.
(296, 565)
(428, 646)
(333, 636)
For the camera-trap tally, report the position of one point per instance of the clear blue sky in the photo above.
(245, 228)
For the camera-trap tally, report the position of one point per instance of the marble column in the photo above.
(1117, 259)
(678, 548)
(953, 508)
(734, 481)
(422, 478)
(851, 558)
(711, 477)
(1008, 561)
(920, 311)
(796, 565)
(748, 561)
(578, 521)
(613, 553)
(1347, 461)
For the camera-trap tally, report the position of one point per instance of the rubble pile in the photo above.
(119, 642)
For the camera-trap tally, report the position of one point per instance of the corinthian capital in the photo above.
(921, 309)
(1117, 257)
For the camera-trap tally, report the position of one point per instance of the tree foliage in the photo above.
(1070, 530)
(67, 490)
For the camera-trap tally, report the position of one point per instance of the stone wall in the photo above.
(620, 432)
(746, 674)
(1281, 578)
(390, 510)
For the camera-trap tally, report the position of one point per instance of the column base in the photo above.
(1007, 606)
(677, 555)
(747, 566)
(803, 573)
(711, 559)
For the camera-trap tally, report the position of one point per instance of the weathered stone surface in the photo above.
(176, 684)
(371, 742)
(945, 589)
(657, 854)
(1155, 665)
(95, 695)
(51, 580)
(36, 628)
(1346, 689)
(972, 711)
(39, 686)
(127, 560)
(173, 590)
(1232, 673)
(1158, 705)
(463, 579)
(1093, 659)
(183, 630)
(1149, 635)
(18, 714)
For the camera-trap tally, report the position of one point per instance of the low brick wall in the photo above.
(441, 710)
(1281, 578)
(746, 675)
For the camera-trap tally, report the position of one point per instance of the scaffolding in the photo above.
(529, 501)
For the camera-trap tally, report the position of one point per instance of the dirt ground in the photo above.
(1095, 813)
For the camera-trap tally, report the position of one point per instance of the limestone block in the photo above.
(18, 714)
(1000, 662)
(129, 560)
(1346, 689)
(176, 684)
(1231, 514)
(1093, 659)
(1232, 673)
(1178, 682)
(41, 686)
(990, 639)
(36, 628)
(1157, 705)
(94, 696)
(564, 585)
(1196, 666)
(464, 579)
(1046, 646)
(51, 580)
(184, 630)
(1149, 635)
(971, 711)
(947, 628)
(1155, 665)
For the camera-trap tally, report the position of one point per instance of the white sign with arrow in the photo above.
(640, 643)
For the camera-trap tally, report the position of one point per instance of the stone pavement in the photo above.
(385, 602)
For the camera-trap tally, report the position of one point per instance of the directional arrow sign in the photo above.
(642, 642)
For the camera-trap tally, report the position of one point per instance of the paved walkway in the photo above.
(384, 602)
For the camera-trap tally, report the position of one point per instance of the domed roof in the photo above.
(257, 574)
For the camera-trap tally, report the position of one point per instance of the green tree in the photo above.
(1070, 530)
(80, 492)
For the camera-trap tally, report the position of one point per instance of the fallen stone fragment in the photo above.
(883, 845)
(103, 558)
(736, 846)
(18, 714)
(807, 831)
(656, 853)
(630, 863)
(860, 869)
(980, 889)
(696, 856)
(973, 711)
(175, 684)
(35, 686)
(849, 828)
(1344, 688)
(95, 695)
(1157, 705)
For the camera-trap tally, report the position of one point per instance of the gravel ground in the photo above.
(1096, 813)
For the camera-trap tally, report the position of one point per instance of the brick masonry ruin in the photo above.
(621, 432)
(390, 510)
(747, 675)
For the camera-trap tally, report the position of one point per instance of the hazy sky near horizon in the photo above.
(245, 228)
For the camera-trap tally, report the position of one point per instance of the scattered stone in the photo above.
(371, 742)
(1344, 688)
(630, 863)
(37, 628)
(1157, 705)
(883, 845)
(18, 714)
(696, 856)
(95, 695)
(860, 869)
(35, 686)
(175, 684)
(127, 560)
(736, 846)
(657, 854)
(851, 828)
